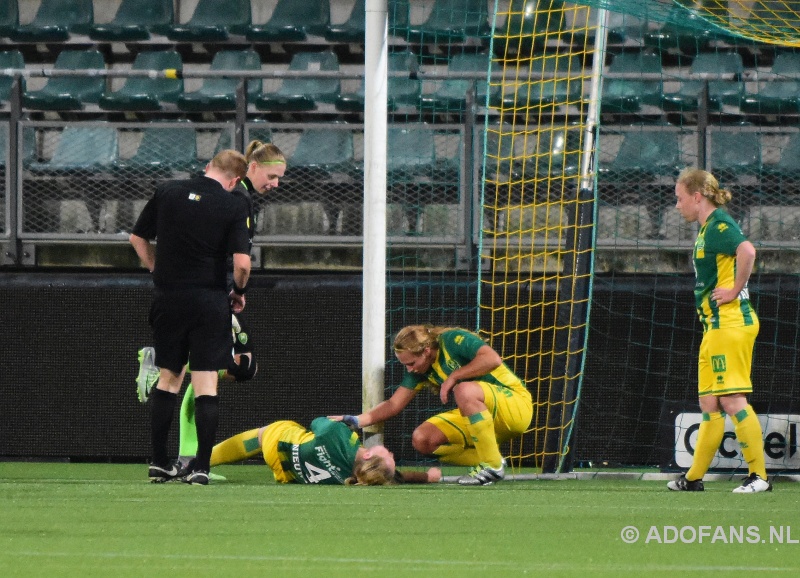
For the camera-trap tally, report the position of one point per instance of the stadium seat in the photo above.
(134, 21)
(735, 154)
(293, 21)
(726, 90)
(303, 94)
(10, 59)
(451, 95)
(9, 17)
(81, 150)
(353, 29)
(162, 152)
(258, 131)
(321, 152)
(786, 172)
(530, 24)
(627, 95)
(452, 21)
(767, 223)
(400, 91)
(622, 224)
(141, 93)
(551, 151)
(498, 151)
(70, 92)
(213, 21)
(55, 21)
(684, 38)
(777, 96)
(220, 93)
(643, 156)
(551, 92)
(542, 221)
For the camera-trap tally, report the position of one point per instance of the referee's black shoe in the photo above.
(161, 474)
(196, 478)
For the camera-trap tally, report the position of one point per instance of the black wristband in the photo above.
(239, 290)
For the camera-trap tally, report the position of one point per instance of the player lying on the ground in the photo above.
(329, 453)
(243, 367)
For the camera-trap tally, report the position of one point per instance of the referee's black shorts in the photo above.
(191, 325)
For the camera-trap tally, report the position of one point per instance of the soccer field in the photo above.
(107, 520)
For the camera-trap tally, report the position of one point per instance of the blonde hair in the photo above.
(268, 153)
(700, 181)
(372, 471)
(231, 163)
(415, 338)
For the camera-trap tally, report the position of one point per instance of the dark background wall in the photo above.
(68, 344)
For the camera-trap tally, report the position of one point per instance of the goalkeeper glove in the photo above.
(351, 421)
(244, 370)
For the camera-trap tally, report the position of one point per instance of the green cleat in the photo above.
(148, 373)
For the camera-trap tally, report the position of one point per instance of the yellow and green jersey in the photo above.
(324, 455)
(458, 347)
(715, 266)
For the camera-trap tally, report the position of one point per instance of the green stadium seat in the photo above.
(220, 93)
(400, 91)
(140, 93)
(530, 24)
(353, 29)
(81, 150)
(452, 21)
(213, 21)
(303, 94)
(9, 17)
(627, 95)
(451, 95)
(691, 36)
(162, 152)
(55, 21)
(134, 21)
(552, 151)
(10, 59)
(321, 152)
(293, 21)
(726, 90)
(777, 96)
(735, 154)
(256, 132)
(28, 147)
(547, 92)
(643, 156)
(63, 93)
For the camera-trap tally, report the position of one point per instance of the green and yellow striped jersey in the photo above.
(458, 347)
(715, 266)
(325, 455)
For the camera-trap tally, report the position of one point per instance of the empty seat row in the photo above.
(217, 20)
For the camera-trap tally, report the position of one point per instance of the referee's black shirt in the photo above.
(196, 224)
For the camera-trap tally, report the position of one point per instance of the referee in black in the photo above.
(197, 224)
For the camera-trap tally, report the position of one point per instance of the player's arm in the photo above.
(381, 412)
(145, 250)
(745, 260)
(486, 360)
(241, 274)
(432, 476)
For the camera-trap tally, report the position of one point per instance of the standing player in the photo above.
(723, 261)
(493, 403)
(198, 224)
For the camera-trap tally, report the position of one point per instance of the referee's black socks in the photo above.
(206, 416)
(162, 408)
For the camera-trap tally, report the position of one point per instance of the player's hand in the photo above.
(722, 296)
(237, 301)
(350, 421)
(434, 475)
(444, 390)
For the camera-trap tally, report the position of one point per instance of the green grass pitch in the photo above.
(60, 519)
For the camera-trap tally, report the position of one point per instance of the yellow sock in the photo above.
(457, 455)
(481, 428)
(751, 440)
(237, 448)
(709, 436)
